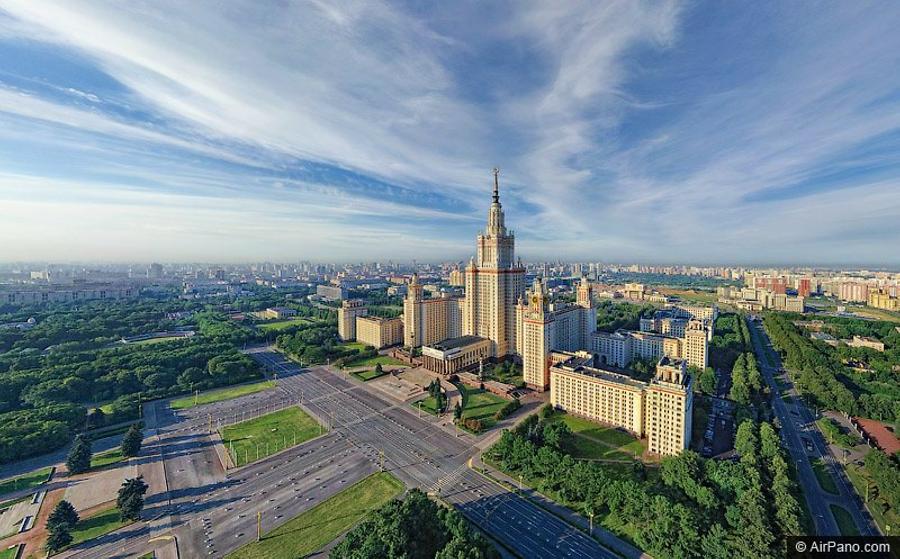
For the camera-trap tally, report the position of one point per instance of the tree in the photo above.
(131, 443)
(708, 381)
(457, 411)
(58, 537)
(79, 458)
(378, 368)
(130, 501)
(63, 513)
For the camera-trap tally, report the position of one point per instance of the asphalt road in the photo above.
(212, 512)
(797, 424)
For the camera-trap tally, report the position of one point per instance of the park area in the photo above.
(318, 526)
(375, 360)
(220, 394)
(594, 441)
(480, 404)
(254, 439)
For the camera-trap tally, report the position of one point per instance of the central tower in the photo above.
(494, 282)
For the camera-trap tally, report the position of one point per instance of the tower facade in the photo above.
(494, 283)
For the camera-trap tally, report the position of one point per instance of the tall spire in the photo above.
(496, 172)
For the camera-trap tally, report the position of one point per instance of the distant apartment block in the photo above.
(882, 299)
(85, 293)
(331, 292)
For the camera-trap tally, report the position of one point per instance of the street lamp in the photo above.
(591, 529)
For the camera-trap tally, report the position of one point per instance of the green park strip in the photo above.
(254, 439)
(826, 482)
(318, 526)
(25, 481)
(868, 491)
(844, 521)
(427, 405)
(279, 325)
(220, 394)
(154, 341)
(96, 525)
(9, 552)
(107, 458)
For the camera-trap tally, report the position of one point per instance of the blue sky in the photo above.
(720, 132)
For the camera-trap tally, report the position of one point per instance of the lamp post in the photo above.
(591, 529)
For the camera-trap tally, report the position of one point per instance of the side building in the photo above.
(429, 321)
(621, 347)
(543, 327)
(348, 312)
(659, 410)
(379, 332)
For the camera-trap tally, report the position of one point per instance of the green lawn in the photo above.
(372, 361)
(152, 341)
(480, 404)
(103, 459)
(95, 526)
(150, 555)
(583, 428)
(356, 345)
(826, 482)
(220, 394)
(318, 526)
(9, 552)
(429, 405)
(278, 325)
(844, 521)
(369, 375)
(25, 481)
(269, 433)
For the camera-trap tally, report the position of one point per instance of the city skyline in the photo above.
(637, 133)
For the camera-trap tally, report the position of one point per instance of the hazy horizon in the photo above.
(683, 132)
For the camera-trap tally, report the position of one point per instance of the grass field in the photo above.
(844, 521)
(268, 434)
(372, 361)
(220, 394)
(356, 345)
(95, 526)
(278, 325)
(691, 295)
(428, 405)
(826, 482)
(369, 375)
(153, 341)
(9, 552)
(25, 481)
(480, 404)
(316, 527)
(109, 457)
(877, 314)
(620, 443)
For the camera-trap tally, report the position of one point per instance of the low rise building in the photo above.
(882, 299)
(862, 341)
(456, 354)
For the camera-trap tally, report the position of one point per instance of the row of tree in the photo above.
(696, 507)
(64, 518)
(819, 373)
(414, 528)
(886, 475)
(746, 380)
